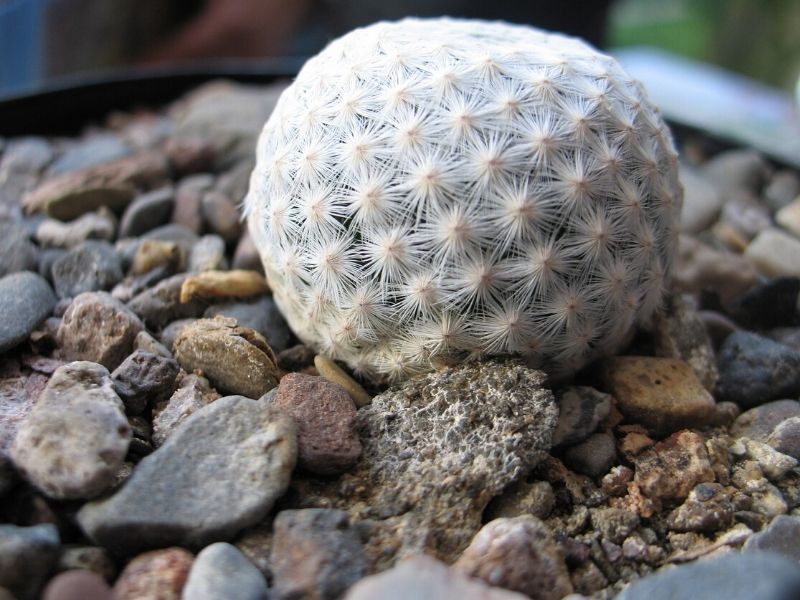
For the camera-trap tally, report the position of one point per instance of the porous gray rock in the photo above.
(27, 557)
(90, 266)
(75, 439)
(708, 508)
(614, 524)
(26, 300)
(221, 571)
(235, 453)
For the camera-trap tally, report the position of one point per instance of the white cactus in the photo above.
(430, 190)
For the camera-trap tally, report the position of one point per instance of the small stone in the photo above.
(296, 358)
(663, 394)
(782, 536)
(77, 584)
(26, 300)
(768, 304)
(246, 255)
(223, 284)
(335, 374)
(754, 370)
(190, 155)
(580, 411)
(774, 252)
(146, 212)
(187, 201)
(235, 359)
(98, 328)
(523, 498)
(144, 378)
(614, 524)
(702, 201)
(27, 557)
(146, 342)
(587, 579)
(594, 456)
(154, 254)
(717, 325)
(773, 464)
(91, 266)
(615, 482)
(255, 543)
(738, 169)
(75, 439)
(161, 304)
(172, 232)
(315, 554)
(768, 501)
(88, 558)
(220, 571)
(26, 155)
(100, 225)
(234, 453)
(672, 468)
(744, 216)
(221, 215)
(193, 393)
(171, 332)
(94, 150)
(788, 217)
(261, 315)
(17, 250)
(708, 508)
(758, 423)
(208, 254)
(782, 189)
(327, 439)
(731, 576)
(156, 575)
(785, 438)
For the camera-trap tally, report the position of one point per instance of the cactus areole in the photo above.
(432, 190)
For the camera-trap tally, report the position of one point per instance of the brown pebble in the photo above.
(224, 284)
(77, 584)
(156, 575)
(156, 253)
(335, 374)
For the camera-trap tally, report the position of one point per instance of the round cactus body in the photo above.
(432, 190)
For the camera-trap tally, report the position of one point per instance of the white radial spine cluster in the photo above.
(431, 190)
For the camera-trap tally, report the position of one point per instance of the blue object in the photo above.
(20, 44)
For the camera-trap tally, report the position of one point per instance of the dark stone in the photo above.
(25, 301)
(143, 379)
(594, 456)
(147, 212)
(27, 557)
(91, 266)
(296, 358)
(772, 303)
(161, 304)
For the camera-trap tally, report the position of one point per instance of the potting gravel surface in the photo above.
(163, 434)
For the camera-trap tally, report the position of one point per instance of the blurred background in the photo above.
(42, 40)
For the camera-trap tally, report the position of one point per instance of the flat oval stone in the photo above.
(26, 300)
(221, 571)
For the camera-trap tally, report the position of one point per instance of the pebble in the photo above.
(77, 584)
(96, 149)
(88, 558)
(17, 250)
(296, 358)
(27, 557)
(780, 294)
(186, 211)
(594, 456)
(782, 536)
(76, 437)
(190, 155)
(775, 252)
(425, 578)
(171, 332)
(98, 328)
(193, 393)
(523, 498)
(316, 553)
(758, 423)
(580, 411)
(329, 370)
(234, 453)
(221, 572)
(732, 576)
(221, 215)
(673, 467)
(262, 315)
(785, 438)
(25, 155)
(223, 284)
(517, 554)
(100, 225)
(208, 254)
(160, 305)
(145, 341)
(743, 215)
(155, 254)
(156, 575)
(91, 266)
(327, 438)
(236, 360)
(738, 169)
(754, 370)
(147, 211)
(663, 394)
(788, 217)
(773, 463)
(144, 379)
(246, 256)
(782, 189)
(708, 508)
(173, 232)
(26, 300)
(702, 201)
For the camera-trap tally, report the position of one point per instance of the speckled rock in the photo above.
(75, 439)
(156, 575)
(614, 524)
(425, 578)
(773, 464)
(523, 498)
(708, 508)
(147, 211)
(774, 252)
(261, 315)
(144, 378)
(208, 254)
(235, 359)
(580, 410)
(327, 439)
(17, 250)
(92, 265)
(315, 554)
(663, 394)
(25, 301)
(517, 554)
(220, 571)
(98, 328)
(235, 453)
(594, 456)
(785, 438)
(77, 584)
(161, 304)
(758, 423)
(27, 557)
(754, 370)
(768, 304)
(100, 225)
(193, 393)
(782, 535)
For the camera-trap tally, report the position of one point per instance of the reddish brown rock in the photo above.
(77, 584)
(156, 575)
(325, 415)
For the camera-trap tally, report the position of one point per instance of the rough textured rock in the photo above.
(782, 535)
(663, 394)
(594, 456)
(435, 452)
(234, 453)
(425, 578)
(77, 584)
(18, 252)
(236, 360)
(74, 441)
(315, 554)
(98, 328)
(261, 315)
(160, 305)
(785, 438)
(144, 378)
(90, 266)
(25, 301)
(708, 508)
(157, 575)
(580, 410)
(220, 572)
(327, 439)
(520, 555)
(193, 393)
(614, 524)
(27, 557)
(754, 370)
(88, 558)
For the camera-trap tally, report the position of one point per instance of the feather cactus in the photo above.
(431, 190)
